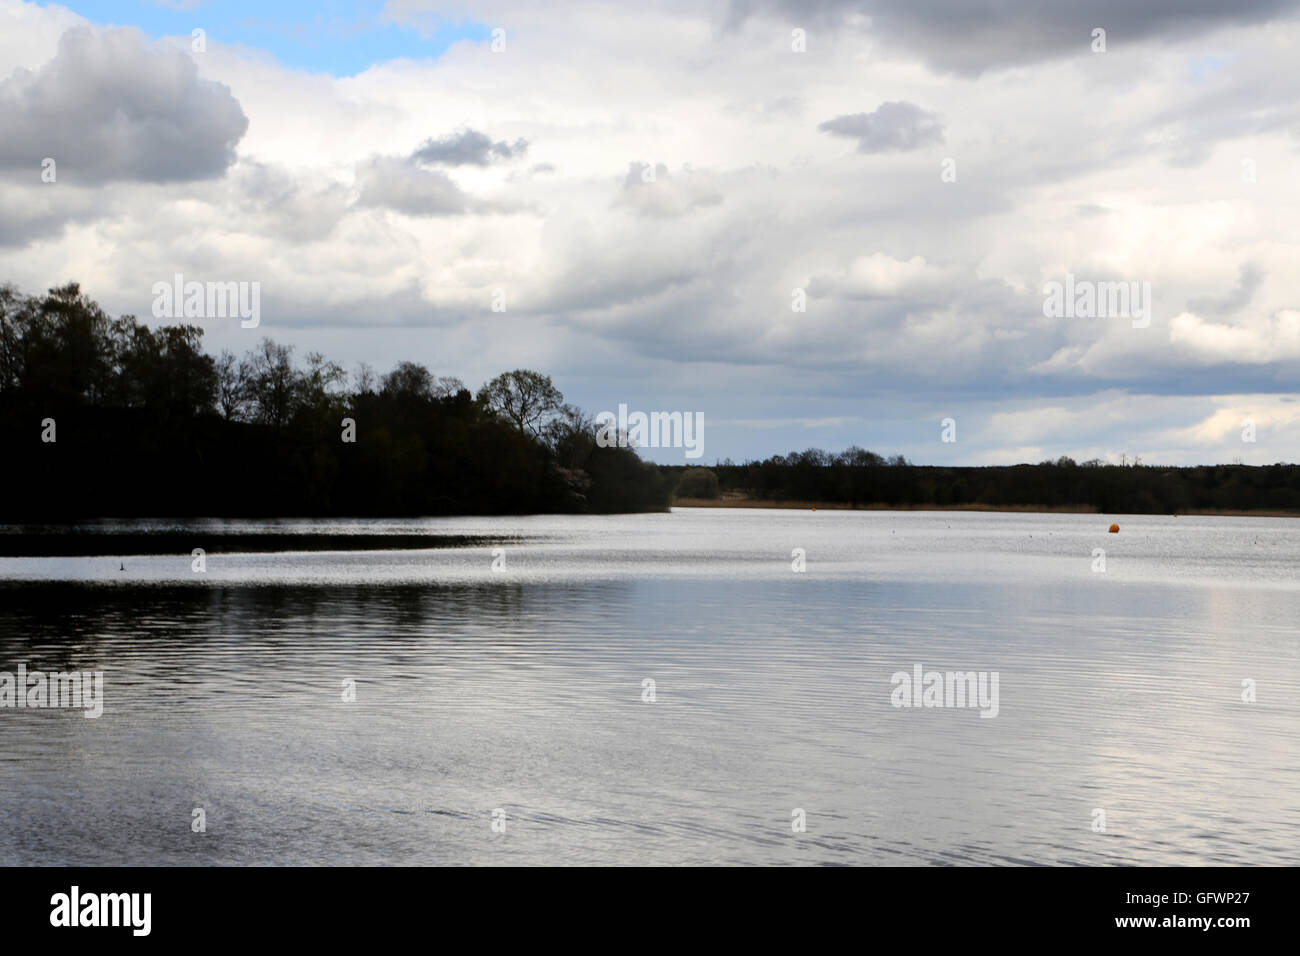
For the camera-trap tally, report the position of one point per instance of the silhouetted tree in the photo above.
(526, 399)
(273, 383)
(232, 387)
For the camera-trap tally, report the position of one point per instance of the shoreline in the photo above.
(81, 543)
(784, 504)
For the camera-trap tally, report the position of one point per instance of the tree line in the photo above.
(104, 416)
(857, 477)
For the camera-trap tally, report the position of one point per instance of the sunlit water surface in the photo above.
(522, 689)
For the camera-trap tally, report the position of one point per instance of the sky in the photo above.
(817, 223)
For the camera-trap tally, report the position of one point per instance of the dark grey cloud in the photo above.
(390, 182)
(468, 147)
(111, 107)
(973, 36)
(893, 126)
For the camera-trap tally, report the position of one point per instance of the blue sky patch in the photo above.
(323, 36)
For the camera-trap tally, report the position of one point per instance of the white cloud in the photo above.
(1262, 341)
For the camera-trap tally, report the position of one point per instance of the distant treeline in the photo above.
(857, 477)
(103, 417)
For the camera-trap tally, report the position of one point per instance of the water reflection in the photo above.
(524, 691)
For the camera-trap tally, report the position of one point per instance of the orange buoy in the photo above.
(1114, 529)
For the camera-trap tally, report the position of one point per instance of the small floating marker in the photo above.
(1114, 529)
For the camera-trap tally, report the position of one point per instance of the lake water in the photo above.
(522, 689)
